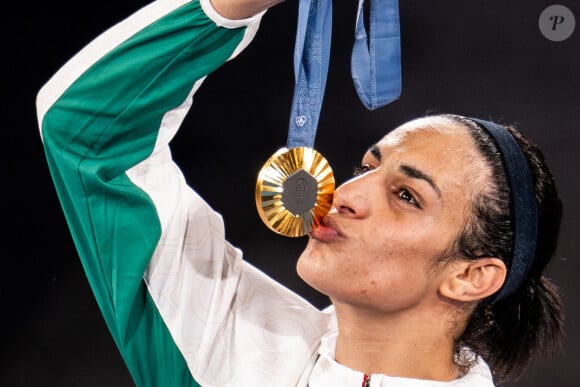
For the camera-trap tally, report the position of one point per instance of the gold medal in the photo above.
(294, 191)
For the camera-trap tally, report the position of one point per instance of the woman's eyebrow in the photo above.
(376, 152)
(415, 173)
(408, 170)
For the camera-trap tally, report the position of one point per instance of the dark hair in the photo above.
(528, 323)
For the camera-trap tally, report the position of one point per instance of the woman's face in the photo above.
(390, 223)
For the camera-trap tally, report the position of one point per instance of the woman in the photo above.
(413, 255)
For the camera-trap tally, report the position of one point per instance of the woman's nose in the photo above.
(350, 198)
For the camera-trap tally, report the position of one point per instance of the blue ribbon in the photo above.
(375, 62)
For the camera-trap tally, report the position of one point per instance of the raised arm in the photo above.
(181, 304)
(106, 119)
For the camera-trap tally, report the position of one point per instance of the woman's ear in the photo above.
(473, 280)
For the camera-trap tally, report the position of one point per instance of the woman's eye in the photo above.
(407, 197)
(361, 169)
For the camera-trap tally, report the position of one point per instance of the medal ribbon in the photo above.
(375, 62)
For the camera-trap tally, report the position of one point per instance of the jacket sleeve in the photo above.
(106, 118)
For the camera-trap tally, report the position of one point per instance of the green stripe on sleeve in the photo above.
(105, 123)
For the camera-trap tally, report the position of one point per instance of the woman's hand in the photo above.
(241, 9)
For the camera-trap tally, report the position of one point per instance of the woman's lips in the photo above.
(326, 232)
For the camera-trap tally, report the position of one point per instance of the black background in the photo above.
(485, 59)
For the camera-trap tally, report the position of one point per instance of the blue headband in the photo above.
(525, 215)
